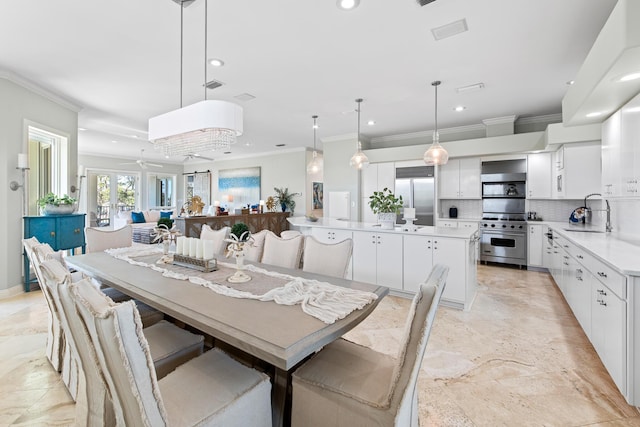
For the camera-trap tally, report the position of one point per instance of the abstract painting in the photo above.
(317, 195)
(239, 187)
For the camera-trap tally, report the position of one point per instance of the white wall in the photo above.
(17, 105)
(285, 169)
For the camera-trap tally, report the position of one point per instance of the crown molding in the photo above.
(39, 90)
(504, 120)
(548, 118)
(427, 133)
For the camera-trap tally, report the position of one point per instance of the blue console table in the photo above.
(61, 232)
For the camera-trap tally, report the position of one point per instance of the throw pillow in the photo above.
(137, 217)
(165, 214)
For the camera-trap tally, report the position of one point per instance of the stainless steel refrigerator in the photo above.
(416, 185)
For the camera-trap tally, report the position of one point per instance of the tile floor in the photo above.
(518, 358)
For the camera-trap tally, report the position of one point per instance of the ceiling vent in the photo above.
(450, 29)
(424, 2)
(244, 97)
(213, 84)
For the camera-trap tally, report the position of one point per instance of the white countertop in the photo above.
(458, 233)
(612, 248)
(459, 219)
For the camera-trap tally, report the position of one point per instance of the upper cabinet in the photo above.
(621, 152)
(460, 179)
(581, 174)
(539, 176)
(376, 177)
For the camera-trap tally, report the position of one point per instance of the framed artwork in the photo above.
(239, 187)
(317, 195)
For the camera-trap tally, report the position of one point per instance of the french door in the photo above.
(110, 193)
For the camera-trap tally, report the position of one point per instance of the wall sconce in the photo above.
(23, 165)
(73, 188)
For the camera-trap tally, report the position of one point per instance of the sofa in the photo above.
(151, 217)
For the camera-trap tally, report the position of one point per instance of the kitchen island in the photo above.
(401, 260)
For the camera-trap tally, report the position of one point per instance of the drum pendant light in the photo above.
(316, 164)
(359, 160)
(436, 154)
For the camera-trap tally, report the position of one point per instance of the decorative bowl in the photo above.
(59, 210)
(311, 218)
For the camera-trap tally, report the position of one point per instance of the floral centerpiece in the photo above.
(238, 238)
(386, 205)
(55, 205)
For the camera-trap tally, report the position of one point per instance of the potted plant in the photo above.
(54, 205)
(285, 199)
(386, 205)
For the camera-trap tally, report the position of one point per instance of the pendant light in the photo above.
(436, 154)
(359, 160)
(316, 164)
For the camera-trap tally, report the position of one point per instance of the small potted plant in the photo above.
(285, 199)
(386, 205)
(54, 205)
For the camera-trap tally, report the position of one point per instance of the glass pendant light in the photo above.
(316, 164)
(359, 160)
(436, 154)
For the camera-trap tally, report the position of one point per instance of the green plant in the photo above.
(285, 199)
(167, 222)
(241, 231)
(52, 199)
(385, 202)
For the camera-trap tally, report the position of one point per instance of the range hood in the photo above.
(615, 54)
(504, 171)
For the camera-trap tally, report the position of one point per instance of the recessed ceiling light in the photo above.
(166, 156)
(371, 123)
(247, 144)
(348, 4)
(629, 77)
(82, 129)
(594, 114)
(216, 62)
(134, 136)
(114, 141)
(280, 145)
(460, 108)
(570, 82)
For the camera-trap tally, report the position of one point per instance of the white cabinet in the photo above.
(611, 134)
(471, 225)
(376, 177)
(447, 224)
(581, 174)
(535, 245)
(460, 179)
(377, 258)
(539, 176)
(422, 252)
(629, 166)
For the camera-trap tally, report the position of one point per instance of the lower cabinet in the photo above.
(377, 258)
(422, 252)
(535, 245)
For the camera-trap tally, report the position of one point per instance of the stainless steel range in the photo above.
(503, 229)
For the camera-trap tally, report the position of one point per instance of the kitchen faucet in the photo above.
(587, 212)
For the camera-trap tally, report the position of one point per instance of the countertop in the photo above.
(616, 249)
(458, 233)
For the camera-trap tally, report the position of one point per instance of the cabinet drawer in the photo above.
(615, 281)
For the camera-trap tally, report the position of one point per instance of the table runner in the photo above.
(321, 300)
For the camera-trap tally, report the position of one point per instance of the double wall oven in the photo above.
(503, 229)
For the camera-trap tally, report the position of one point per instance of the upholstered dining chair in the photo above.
(282, 252)
(98, 239)
(212, 389)
(170, 345)
(55, 340)
(328, 259)
(218, 237)
(288, 234)
(253, 252)
(346, 384)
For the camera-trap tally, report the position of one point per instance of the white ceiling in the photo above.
(120, 62)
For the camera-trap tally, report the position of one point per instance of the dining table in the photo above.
(279, 334)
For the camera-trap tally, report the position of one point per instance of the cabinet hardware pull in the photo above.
(580, 257)
(603, 303)
(53, 234)
(601, 274)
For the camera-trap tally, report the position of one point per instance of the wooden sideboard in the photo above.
(274, 221)
(59, 231)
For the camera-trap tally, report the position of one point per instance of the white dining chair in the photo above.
(210, 390)
(328, 259)
(288, 234)
(99, 239)
(253, 251)
(282, 252)
(218, 237)
(170, 345)
(346, 384)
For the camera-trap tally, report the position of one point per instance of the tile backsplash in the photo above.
(471, 209)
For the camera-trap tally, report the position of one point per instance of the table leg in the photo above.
(281, 399)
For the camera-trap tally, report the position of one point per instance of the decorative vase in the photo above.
(165, 246)
(283, 206)
(59, 210)
(387, 220)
